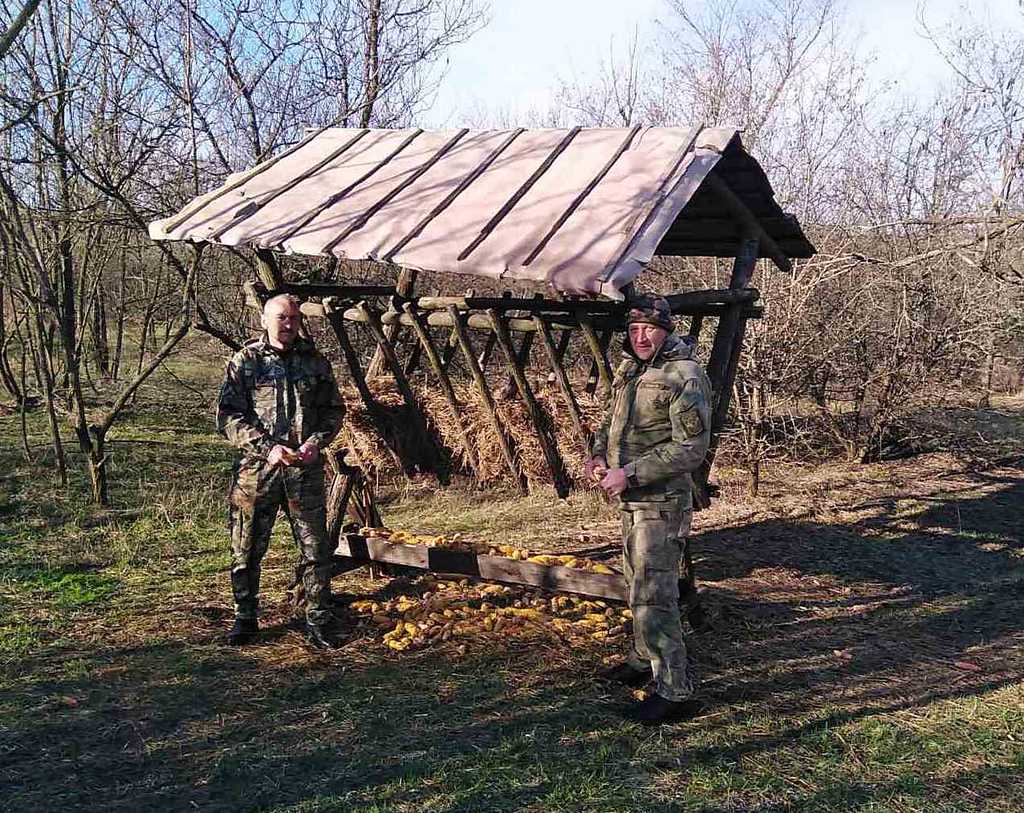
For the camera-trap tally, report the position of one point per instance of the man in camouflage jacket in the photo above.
(279, 404)
(654, 434)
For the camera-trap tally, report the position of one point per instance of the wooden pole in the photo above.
(686, 302)
(412, 406)
(485, 354)
(478, 321)
(604, 373)
(413, 361)
(485, 395)
(562, 378)
(430, 351)
(560, 350)
(337, 322)
(724, 360)
(748, 221)
(403, 288)
(537, 417)
(522, 359)
(696, 322)
(269, 271)
(448, 353)
(337, 501)
(563, 344)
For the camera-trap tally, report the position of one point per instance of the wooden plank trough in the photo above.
(356, 551)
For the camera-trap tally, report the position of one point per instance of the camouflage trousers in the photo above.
(257, 492)
(653, 536)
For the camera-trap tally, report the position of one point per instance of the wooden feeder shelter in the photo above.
(581, 211)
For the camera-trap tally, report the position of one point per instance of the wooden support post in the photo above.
(411, 363)
(268, 270)
(562, 378)
(411, 405)
(337, 502)
(485, 354)
(537, 417)
(724, 360)
(403, 288)
(523, 360)
(563, 346)
(485, 395)
(337, 322)
(604, 373)
(696, 322)
(450, 348)
(427, 343)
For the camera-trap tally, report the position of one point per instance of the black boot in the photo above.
(656, 710)
(243, 632)
(627, 675)
(319, 638)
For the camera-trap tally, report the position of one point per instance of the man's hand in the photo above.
(308, 453)
(282, 456)
(614, 482)
(596, 468)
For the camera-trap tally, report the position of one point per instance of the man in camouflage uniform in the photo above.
(279, 404)
(655, 433)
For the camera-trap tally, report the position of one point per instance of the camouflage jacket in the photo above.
(658, 423)
(270, 397)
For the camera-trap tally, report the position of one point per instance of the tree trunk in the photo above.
(7, 377)
(100, 338)
(371, 63)
(98, 466)
(41, 360)
(24, 407)
(115, 366)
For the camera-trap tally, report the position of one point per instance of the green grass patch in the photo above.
(67, 589)
(17, 639)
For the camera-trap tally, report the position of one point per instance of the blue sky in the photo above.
(512, 64)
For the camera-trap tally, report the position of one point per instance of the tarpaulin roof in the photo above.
(583, 210)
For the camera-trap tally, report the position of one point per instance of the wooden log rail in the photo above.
(363, 550)
(560, 313)
(556, 321)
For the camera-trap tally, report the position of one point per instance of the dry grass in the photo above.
(360, 436)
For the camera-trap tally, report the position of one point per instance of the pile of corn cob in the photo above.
(457, 611)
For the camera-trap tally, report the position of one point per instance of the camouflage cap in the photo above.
(651, 310)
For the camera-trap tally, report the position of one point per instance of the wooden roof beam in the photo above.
(749, 222)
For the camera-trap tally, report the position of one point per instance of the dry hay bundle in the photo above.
(373, 454)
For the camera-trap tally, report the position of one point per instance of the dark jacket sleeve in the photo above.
(236, 420)
(690, 415)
